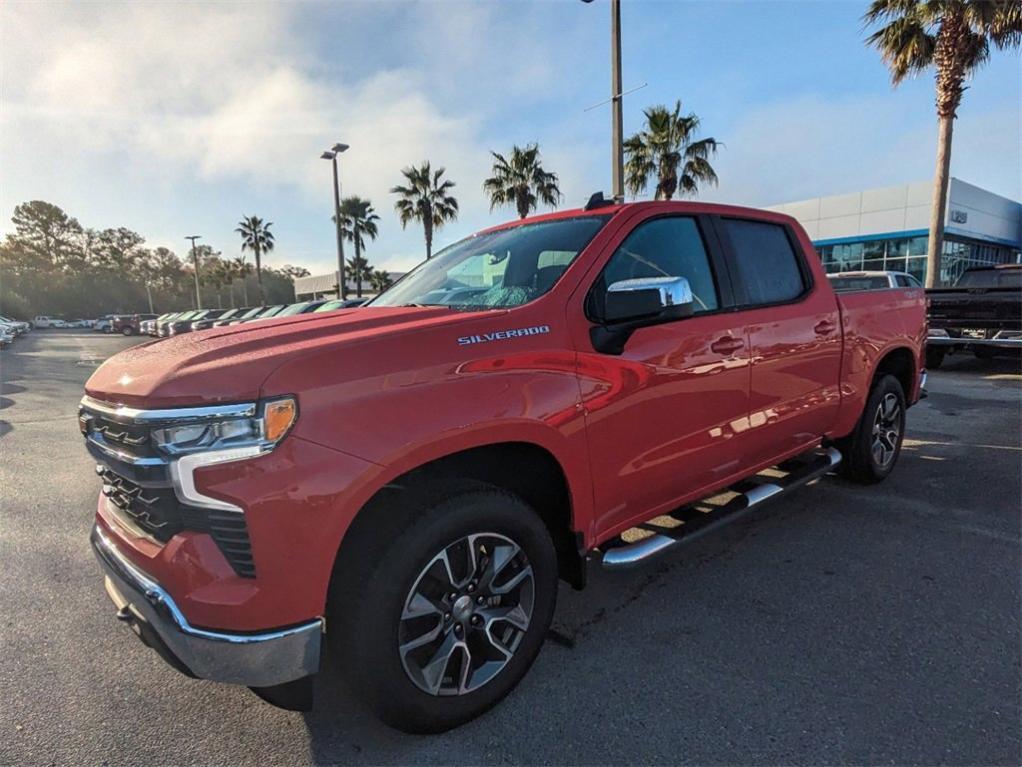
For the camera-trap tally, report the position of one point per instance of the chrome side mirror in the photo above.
(648, 297)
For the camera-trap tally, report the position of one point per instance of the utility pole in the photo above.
(331, 154)
(149, 295)
(195, 260)
(617, 125)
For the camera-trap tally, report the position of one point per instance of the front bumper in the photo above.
(262, 659)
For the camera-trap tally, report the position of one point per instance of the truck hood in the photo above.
(230, 364)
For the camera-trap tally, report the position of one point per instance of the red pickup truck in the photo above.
(405, 483)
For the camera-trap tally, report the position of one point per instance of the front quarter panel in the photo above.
(404, 399)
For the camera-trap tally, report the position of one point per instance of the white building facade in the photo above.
(886, 228)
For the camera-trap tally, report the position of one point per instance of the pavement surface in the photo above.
(840, 625)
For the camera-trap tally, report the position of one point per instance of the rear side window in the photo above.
(766, 266)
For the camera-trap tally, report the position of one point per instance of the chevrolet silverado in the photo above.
(404, 484)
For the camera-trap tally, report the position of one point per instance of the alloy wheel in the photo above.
(466, 614)
(886, 430)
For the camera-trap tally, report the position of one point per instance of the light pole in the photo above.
(331, 154)
(617, 153)
(195, 260)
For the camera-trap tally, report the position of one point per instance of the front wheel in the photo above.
(870, 452)
(128, 331)
(452, 612)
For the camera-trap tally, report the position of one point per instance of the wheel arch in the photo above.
(901, 363)
(527, 469)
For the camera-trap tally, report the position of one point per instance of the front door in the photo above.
(665, 418)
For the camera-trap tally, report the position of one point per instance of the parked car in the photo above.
(408, 482)
(163, 327)
(103, 324)
(208, 321)
(7, 335)
(184, 324)
(259, 313)
(44, 322)
(129, 324)
(164, 319)
(845, 281)
(17, 327)
(982, 314)
(302, 307)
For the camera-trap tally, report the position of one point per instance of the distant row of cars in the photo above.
(176, 323)
(11, 329)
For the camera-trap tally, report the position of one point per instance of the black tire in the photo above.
(935, 358)
(372, 589)
(128, 331)
(860, 460)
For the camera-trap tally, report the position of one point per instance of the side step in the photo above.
(693, 523)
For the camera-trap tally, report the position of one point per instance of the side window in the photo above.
(766, 267)
(912, 282)
(664, 247)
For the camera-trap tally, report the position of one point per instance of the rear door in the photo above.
(794, 332)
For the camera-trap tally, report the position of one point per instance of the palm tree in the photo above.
(520, 180)
(425, 198)
(379, 280)
(665, 149)
(953, 36)
(257, 237)
(242, 269)
(358, 221)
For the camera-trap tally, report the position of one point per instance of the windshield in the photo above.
(293, 309)
(991, 278)
(269, 311)
(329, 306)
(496, 270)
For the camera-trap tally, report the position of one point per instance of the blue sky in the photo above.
(177, 119)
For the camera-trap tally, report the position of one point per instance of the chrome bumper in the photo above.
(256, 660)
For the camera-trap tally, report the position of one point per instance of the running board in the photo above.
(694, 524)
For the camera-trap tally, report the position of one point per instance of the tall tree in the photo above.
(242, 269)
(358, 222)
(46, 234)
(257, 237)
(425, 197)
(954, 37)
(666, 150)
(520, 180)
(379, 280)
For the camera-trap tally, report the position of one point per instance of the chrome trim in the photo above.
(257, 660)
(182, 473)
(134, 460)
(635, 553)
(1003, 343)
(135, 415)
(674, 291)
(630, 555)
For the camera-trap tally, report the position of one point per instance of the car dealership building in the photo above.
(886, 228)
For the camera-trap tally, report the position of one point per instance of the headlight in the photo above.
(262, 430)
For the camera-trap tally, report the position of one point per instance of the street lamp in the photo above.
(195, 260)
(617, 154)
(331, 154)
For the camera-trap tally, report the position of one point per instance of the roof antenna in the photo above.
(597, 200)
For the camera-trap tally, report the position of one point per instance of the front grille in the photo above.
(132, 437)
(157, 512)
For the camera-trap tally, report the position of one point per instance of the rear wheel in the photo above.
(129, 331)
(870, 452)
(447, 615)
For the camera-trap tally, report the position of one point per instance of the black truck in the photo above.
(982, 313)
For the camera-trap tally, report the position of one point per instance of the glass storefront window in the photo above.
(917, 246)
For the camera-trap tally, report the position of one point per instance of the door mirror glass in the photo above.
(648, 297)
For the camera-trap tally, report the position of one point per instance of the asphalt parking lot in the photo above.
(841, 625)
